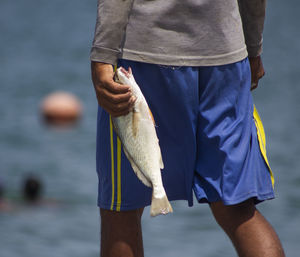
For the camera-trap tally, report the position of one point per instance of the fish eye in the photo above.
(116, 78)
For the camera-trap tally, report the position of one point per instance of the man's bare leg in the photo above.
(249, 231)
(121, 233)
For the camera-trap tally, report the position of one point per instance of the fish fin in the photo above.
(161, 163)
(137, 171)
(115, 127)
(160, 206)
(151, 115)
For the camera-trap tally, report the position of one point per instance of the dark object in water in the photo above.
(32, 189)
(1, 192)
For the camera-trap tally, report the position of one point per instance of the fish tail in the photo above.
(160, 206)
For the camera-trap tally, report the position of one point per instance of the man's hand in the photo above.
(257, 70)
(115, 98)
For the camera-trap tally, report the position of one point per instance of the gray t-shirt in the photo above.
(178, 33)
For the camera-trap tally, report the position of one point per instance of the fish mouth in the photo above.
(116, 78)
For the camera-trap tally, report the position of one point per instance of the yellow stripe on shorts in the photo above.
(112, 164)
(119, 198)
(262, 140)
(113, 188)
(118, 174)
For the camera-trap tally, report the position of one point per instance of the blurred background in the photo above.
(44, 47)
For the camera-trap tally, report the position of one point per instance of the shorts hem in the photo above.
(129, 207)
(258, 198)
(122, 208)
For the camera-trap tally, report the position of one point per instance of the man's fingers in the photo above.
(254, 85)
(262, 73)
(114, 98)
(116, 88)
(256, 77)
(116, 109)
(257, 71)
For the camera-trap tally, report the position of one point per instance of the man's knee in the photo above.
(121, 220)
(121, 233)
(230, 217)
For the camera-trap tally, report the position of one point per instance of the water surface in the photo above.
(44, 46)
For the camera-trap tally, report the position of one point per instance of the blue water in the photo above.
(44, 46)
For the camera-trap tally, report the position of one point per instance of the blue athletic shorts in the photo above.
(211, 138)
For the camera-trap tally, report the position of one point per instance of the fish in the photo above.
(137, 133)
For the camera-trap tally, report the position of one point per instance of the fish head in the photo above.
(116, 78)
(123, 76)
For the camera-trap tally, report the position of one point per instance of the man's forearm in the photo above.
(112, 19)
(253, 17)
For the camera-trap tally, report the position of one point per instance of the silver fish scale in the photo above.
(141, 147)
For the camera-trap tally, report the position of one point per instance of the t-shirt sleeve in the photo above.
(112, 19)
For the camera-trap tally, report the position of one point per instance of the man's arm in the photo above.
(112, 19)
(253, 17)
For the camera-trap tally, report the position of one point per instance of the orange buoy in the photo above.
(61, 108)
